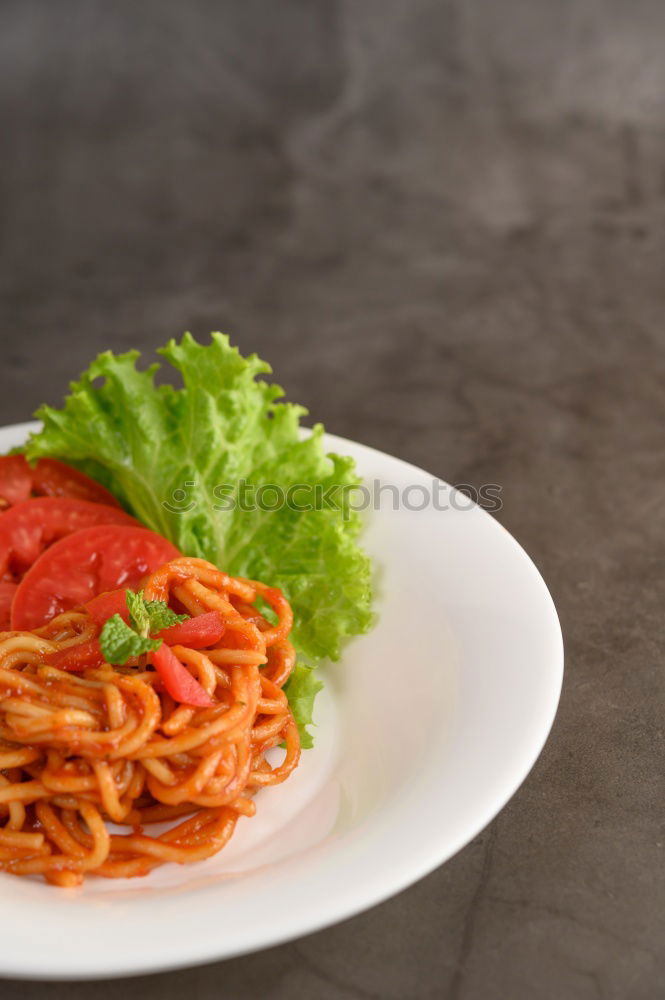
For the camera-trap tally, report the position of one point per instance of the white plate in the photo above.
(425, 730)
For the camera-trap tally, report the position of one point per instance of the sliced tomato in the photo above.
(196, 633)
(51, 478)
(7, 591)
(15, 480)
(177, 679)
(84, 564)
(80, 657)
(48, 478)
(30, 526)
(105, 606)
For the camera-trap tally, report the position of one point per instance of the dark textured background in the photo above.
(444, 224)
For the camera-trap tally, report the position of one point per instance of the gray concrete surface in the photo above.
(444, 222)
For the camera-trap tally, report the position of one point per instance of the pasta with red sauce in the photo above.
(109, 745)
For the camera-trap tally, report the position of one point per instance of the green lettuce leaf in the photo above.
(188, 462)
(303, 687)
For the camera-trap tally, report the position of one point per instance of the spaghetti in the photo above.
(110, 745)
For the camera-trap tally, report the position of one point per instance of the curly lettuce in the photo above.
(193, 462)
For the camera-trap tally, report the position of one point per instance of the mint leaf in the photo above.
(147, 617)
(138, 615)
(120, 643)
(160, 615)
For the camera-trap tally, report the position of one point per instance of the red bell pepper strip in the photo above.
(103, 607)
(177, 679)
(196, 633)
(74, 658)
